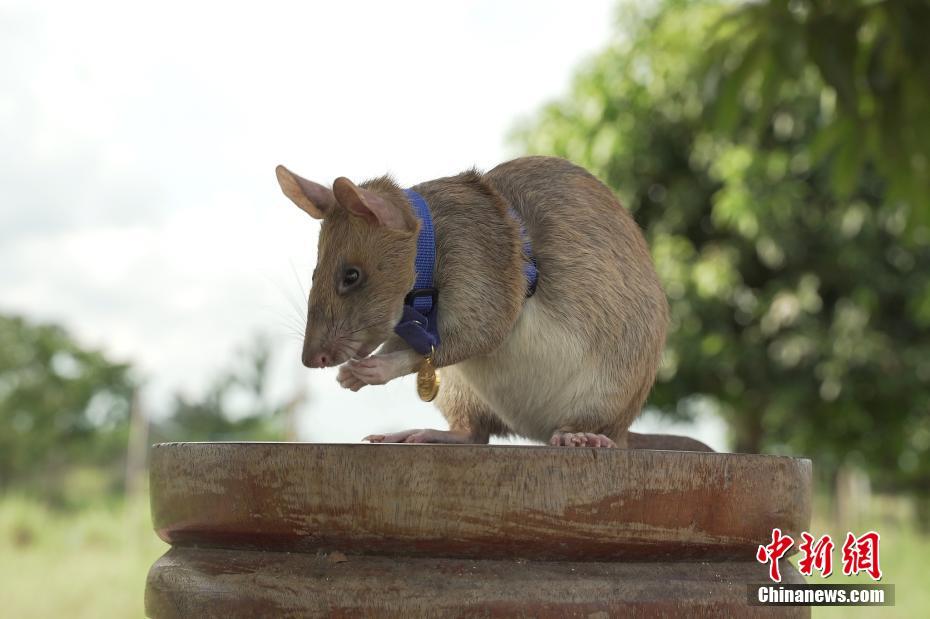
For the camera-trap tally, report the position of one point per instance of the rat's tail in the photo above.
(664, 441)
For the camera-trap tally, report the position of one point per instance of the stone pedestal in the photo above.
(295, 530)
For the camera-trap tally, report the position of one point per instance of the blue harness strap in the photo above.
(529, 269)
(418, 325)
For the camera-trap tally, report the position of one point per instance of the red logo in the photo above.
(860, 554)
(773, 552)
(817, 555)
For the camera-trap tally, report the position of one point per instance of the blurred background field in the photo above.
(87, 564)
(92, 562)
(904, 544)
(774, 152)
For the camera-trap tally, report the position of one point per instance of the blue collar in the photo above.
(419, 324)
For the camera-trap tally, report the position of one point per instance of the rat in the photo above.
(567, 359)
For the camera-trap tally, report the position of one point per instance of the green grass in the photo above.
(904, 553)
(92, 563)
(87, 564)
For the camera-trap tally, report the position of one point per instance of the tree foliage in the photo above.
(799, 283)
(61, 405)
(235, 406)
(65, 411)
(870, 58)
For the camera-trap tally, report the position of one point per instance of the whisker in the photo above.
(368, 326)
(290, 335)
(299, 314)
(284, 320)
(300, 285)
(289, 329)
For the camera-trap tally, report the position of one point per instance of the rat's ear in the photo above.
(313, 198)
(370, 206)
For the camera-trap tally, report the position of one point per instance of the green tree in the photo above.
(870, 59)
(800, 296)
(61, 405)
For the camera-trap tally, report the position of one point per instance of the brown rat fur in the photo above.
(572, 365)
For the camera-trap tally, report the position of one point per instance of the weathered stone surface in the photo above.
(482, 502)
(228, 584)
(304, 530)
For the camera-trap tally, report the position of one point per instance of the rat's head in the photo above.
(368, 241)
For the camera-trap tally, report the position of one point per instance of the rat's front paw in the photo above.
(375, 370)
(348, 380)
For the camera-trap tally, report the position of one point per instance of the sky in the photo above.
(138, 203)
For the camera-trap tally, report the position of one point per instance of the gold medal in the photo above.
(427, 379)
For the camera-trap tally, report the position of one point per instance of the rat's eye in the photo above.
(350, 277)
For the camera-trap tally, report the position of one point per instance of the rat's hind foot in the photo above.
(423, 436)
(580, 439)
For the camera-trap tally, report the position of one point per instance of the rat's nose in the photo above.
(315, 360)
